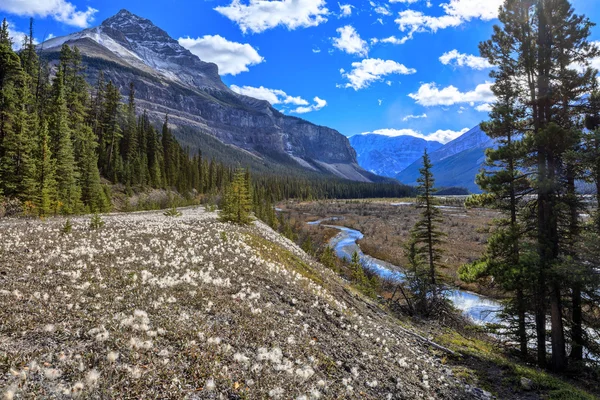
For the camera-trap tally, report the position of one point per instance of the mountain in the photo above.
(169, 79)
(455, 164)
(389, 155)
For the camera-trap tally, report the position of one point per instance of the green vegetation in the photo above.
(540, 250)
(423, 248)
(237, 199)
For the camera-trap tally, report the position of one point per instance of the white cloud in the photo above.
(231, 57)
(350, 41)
(485, 107)
(279, 97)
(594, 62)
(317, 50)
(456, 12)
(442, 135)
(260, 15)
(371, 70)
(408, 117)
(345, 10)
(457, 59)
(391, 40)
(318, 104)
(60, 10)
(429, 95)
(380, 101)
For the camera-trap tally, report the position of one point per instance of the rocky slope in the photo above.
(388, 156)
(150, 306)
(170, 79)
(455, 164)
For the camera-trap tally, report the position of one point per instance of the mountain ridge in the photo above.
(168, 79)
(456, 164)
(389, 155)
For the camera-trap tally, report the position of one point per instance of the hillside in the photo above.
(169, 79)
(389, 155)
(154, 306)
(455, 164)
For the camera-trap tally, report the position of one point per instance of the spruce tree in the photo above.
(237, 201)
(68, 189)
(425, 241)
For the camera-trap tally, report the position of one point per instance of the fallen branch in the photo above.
(429, 342)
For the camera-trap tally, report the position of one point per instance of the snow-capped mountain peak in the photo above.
(141, 44)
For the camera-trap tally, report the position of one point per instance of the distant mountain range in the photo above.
(456, 164)
(389, 155)
(169, 79)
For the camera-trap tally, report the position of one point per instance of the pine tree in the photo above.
(424, 251)
(45, 175)
(69, 192)
(505, 186)
(539, 43)
(237, 201)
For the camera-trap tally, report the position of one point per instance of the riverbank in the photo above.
(386, 224)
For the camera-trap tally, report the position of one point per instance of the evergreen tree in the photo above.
(237, 201)
(45, 175)
(535, 50)
(424, 251)
(69, 191)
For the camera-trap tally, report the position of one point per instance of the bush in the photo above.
(96, 222)
(172, 212)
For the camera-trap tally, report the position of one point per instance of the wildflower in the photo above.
(9, 394)
(77, 389)
(210, 384)
(276, 393)
(52, 373)
(92, 377)
(112, 356)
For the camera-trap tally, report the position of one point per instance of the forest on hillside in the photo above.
(65, 143)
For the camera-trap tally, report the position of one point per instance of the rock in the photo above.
(527, 384)
(169, 79)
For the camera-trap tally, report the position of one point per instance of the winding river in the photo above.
(480, 309)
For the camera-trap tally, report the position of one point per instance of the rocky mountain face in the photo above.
(388, 156)
(169, 79)
(455, 164)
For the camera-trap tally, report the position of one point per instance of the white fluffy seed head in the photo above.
(92, 377)
(112, 356)
(210, 384)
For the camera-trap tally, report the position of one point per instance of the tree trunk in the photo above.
(577, 330)
(559, 356)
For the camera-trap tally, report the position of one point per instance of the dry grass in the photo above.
(387, 227)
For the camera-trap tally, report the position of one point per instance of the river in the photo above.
(480, 309)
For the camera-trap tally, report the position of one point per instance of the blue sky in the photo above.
(389, 66)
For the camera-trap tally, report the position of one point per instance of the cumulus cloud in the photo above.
(442, 135)
(380, 9)
(485, 107)
(260, 15)
(345, 10)
(279, 97)
(60, 10)
(430, 95)
(350, 42)
(594, 62)
(231, 57)
(318, 104)
(390, 40)
(456, 12)
(370, 70)
(409, 117)
(457, 59)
